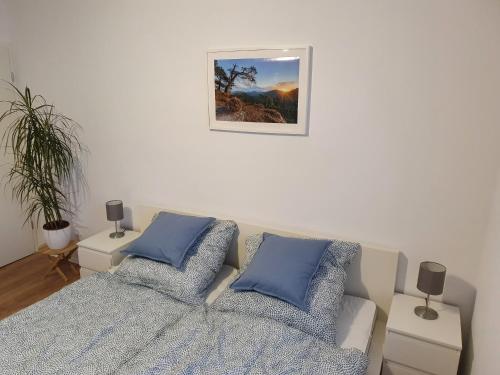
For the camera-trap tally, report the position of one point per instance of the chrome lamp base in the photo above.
(426, 312)
(116, 233)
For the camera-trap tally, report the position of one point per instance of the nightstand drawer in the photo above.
(97, 261)
(420, 354)
(391, 368)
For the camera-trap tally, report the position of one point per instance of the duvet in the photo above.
(101, 325)
(92, 326)
(215, 342)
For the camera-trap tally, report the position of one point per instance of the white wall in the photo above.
(15, 239)
(485, 338)
(4, 23)
(403, 114)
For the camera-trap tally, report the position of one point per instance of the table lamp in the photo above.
(114, 212)
(431, 281)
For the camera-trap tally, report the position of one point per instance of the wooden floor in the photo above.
(22, 283)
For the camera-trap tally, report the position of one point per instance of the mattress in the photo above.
(355, 323)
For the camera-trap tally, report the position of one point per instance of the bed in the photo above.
(215, 342)
(98, 323)
(75, 331)
(364, 281)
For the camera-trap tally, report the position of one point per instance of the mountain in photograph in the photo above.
(239, 97)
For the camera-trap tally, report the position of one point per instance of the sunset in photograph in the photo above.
(257, 90)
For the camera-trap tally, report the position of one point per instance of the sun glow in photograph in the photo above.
(257, 89)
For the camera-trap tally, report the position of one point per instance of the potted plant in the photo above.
(44, 151)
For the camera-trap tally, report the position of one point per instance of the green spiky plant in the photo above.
(44, 150)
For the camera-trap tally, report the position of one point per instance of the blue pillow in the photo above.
(324, 299)
(283, 267)
(191, 282)
(169, 237)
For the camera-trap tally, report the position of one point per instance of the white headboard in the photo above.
(372, 274)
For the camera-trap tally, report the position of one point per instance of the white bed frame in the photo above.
(371, 275)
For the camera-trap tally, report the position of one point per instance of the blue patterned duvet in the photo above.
(90, 327)
(101, 325)
(214, 342)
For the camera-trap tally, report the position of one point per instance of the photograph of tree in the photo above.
(257, 89)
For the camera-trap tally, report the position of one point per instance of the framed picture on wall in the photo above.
(259, 90)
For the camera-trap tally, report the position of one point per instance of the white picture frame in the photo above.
(276, 101)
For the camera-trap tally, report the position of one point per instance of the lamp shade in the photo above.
(431, 278)
(114, 210)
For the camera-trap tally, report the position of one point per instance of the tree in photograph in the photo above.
(221, 77)
(244, 74)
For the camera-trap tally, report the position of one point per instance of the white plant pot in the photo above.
(57, 238)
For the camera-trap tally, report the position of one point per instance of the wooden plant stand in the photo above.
(59, 256)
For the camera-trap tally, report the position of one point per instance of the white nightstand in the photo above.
(100, 252)
(415, 346)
